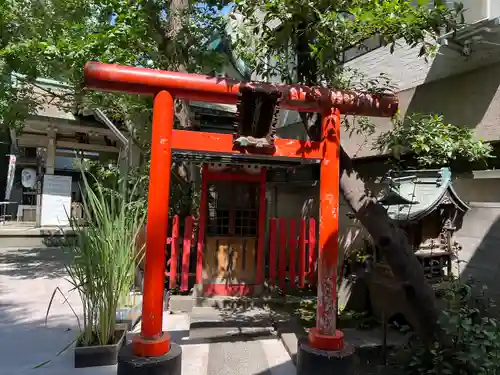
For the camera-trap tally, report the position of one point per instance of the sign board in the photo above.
(56, 200)
(10, 176)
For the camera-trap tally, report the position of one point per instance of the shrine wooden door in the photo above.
(232, 230)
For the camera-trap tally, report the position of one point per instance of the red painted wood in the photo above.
(157, 224)
(273, 231)
(292, 248)
(282, 259)
(202, 225)
(302, 253)
(312, 251)
(111, 77)
(186, 252)
(174, 252)
(328, 249)
(187, 140)
(259, 279)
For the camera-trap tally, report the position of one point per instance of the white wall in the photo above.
(494, 8)
(406, 70)
(477, 10)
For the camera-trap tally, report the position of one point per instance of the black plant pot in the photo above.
(101, 355)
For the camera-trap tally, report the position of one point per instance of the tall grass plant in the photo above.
(103, 259)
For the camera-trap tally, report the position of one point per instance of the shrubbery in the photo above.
(474, 333)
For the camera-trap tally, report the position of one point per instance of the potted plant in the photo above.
(101, 270)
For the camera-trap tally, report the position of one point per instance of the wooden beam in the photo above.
(87, 147)
(202, 88)
(32, 140)
(68, 125)
(185, 140)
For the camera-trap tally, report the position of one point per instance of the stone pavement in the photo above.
(228, 343)
(214, 342)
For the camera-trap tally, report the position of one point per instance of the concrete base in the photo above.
(312, 361)
(21, 236)
(168, 364)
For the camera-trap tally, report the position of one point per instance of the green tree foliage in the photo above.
(293, 41)
(54, 39)
(433, 142)
(469, 319)
(323, 30)
(318, 32)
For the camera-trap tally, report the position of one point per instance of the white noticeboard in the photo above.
(56, 200)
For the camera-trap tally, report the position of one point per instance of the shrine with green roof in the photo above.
(426, 206)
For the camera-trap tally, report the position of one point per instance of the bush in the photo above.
(475, 337)
(103, 261)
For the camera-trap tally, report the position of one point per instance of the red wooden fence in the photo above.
(291, 254)
(180, 248)
(287, 252)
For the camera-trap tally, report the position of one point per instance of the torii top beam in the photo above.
(109, 77)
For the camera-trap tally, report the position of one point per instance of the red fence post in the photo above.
(292, 247)
(272, 251)
(186, 252)
(302, 253)
(174, 255)
(312, 251)
(282, 257)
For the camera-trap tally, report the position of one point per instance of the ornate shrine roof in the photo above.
(414, 194)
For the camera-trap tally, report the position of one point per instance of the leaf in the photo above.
(42, 364)
(57, 289)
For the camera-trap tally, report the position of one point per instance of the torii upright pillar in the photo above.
(151, 351)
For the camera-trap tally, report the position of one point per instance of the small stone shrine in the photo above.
(428, 209)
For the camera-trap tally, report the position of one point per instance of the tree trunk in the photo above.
(178, 10)
(397, 251)
(177, 13)
(373, 216)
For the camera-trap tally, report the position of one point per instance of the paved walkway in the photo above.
(28, 278)
(210, 351)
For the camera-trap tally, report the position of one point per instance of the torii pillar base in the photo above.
(167, 364)
(312, 361)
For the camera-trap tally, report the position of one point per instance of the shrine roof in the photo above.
(414, 194)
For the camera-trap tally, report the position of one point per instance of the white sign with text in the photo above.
(56, 200)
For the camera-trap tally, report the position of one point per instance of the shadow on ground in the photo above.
(33, 263)
(27, 343)
(280, 369)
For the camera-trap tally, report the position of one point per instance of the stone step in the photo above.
(211, 323)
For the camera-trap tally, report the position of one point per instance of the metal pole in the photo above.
(105, 119)
(152, 342)
(325, 335)
(126, 144)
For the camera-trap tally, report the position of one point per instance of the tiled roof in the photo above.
(414, 194)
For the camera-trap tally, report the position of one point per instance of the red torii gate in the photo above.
(154, 345)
